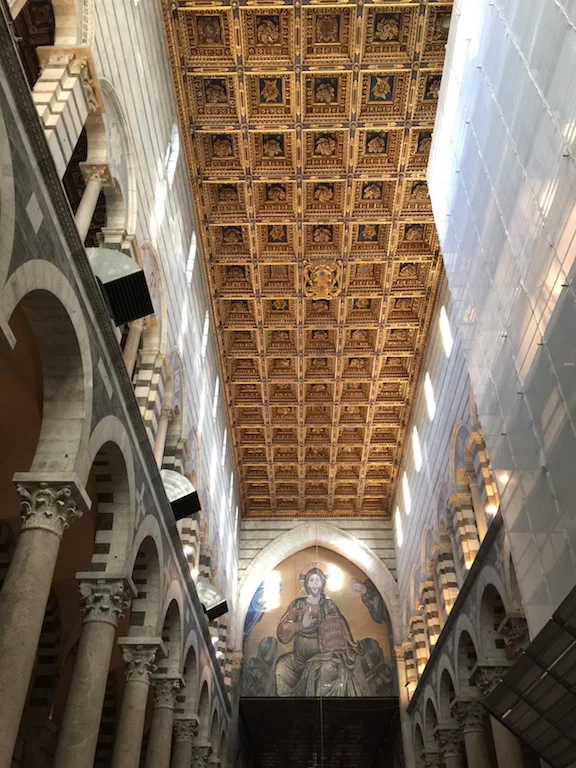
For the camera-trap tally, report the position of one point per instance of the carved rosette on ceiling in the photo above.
(322, 281)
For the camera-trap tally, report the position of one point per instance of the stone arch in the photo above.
(144, 615)
(466, 656)
(459, 456)
(156, 286)
(214, 737)
(172, 637)
(418, 742)
(491, 614)
(7, 205)
(331, 537)
(204, 714)
(187, 704)
(109, 456)
(122, 202)
(430, 719)
(57, 322)
(446, 694)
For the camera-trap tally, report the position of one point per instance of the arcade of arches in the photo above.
(287, 384)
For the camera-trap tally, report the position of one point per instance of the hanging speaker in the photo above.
(122, 283)
(182, 495)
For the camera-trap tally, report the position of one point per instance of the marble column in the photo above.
(104, 600)
(201, 755)
(47, 509)
(139, 657)
(507, 746)
(130, 352)
(451, 743)
(405, 724)
(166, 416)
(96, 177)
(477, 506)
(185, 732)
(160, 742)
(470, 717)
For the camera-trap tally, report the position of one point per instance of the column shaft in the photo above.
(160, 742)
(87, 207)
(182, 757)
(507, 746)
(479, 511)
(454, 761)
(132, 343)
(104, 600)
(22, 606)
(128, 743)
(476, 750)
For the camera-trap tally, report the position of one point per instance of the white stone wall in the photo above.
(130, 53)
(451, 387)
(503, 181)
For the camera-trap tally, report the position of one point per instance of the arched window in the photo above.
(172, 152)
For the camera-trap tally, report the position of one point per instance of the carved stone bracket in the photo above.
(185, 729)
(105, 599)
(450, 740)
(165, 691)
(514, 630)
(139, 661)
(99, 172)
(78, 59)
(201, 756)
(52, 506)
(469, 713)
(487, 678)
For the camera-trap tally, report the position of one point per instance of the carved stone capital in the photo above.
(167, 414)
(139, 662)
(165, 691)
(487, 678)
(432, 759)
(514, 630)
(450, 740)
(399, 654)
(105, 599)
(469, 714)
(201, 756)
(51, 506)
(99, 172)
(185, 729)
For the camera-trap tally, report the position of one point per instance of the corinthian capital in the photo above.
(469, 713)
(451, 741)
(487, 678)
(185, 729)
(105, 599)
(139, 661)
(48, 505)
(514, 630)
(165, 691)
(99, 172)
(201, 756)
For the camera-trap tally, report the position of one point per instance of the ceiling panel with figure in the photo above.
(307, 129)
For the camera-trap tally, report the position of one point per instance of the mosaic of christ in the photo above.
(317, 626)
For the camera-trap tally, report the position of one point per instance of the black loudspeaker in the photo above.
(122, 283)
(216, 611)
(186, 506)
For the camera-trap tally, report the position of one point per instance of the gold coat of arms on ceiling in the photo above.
(322, 281)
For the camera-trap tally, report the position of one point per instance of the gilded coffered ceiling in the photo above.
(307, 130)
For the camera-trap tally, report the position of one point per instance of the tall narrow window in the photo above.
(416, 449)
(406, 492)
(224, 443)
(215, 399)
(429, 394)
(172, 152)
(398, 525)
(191, 259)
(204, 343)
(446, 332)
